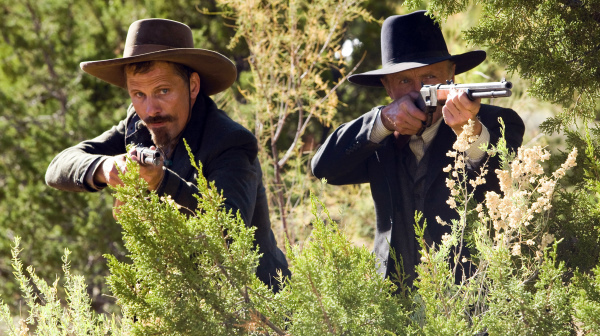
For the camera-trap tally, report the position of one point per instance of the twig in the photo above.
(314, 290)
(290, 150)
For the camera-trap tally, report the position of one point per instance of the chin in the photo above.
(161, 137)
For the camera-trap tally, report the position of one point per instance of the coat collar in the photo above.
(192, 134)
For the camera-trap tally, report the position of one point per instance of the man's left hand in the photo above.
(459, 109)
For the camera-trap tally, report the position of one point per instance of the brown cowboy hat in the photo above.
(413, 41)
(166, 40)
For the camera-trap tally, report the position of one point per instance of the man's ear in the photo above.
(194, 85)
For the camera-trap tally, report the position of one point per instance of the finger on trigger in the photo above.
(416, 112)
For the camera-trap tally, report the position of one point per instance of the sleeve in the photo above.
(474, 153)
(91, 171)
(68, 169)
(513, 133)
(342, 159)
(378, 130)
(513, 124)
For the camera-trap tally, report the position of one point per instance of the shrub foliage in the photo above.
(534, 246)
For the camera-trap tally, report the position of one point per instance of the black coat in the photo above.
(348, 157)
(228, 153)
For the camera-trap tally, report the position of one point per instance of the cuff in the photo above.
(378, 131)
(89, 175)
(474, 153)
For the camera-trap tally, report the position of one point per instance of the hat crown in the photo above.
(415, 36)
(150, 35)
(413, 41)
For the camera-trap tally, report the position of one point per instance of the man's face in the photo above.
(161, 98)
(401, 83)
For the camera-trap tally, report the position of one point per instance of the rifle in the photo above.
(433, 95)
(148, 156)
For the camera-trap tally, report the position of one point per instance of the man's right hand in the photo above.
(403, 116)
(110, 169)
(108, 173)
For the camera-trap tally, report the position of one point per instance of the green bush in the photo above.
(195, 275)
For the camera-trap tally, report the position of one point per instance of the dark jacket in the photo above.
(228, 153)
(348, 157)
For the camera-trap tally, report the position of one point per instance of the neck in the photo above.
(169, 148)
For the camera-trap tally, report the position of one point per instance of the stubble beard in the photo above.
(165, 141)
(161, 136)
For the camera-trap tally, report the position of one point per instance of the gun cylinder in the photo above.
(148, 156)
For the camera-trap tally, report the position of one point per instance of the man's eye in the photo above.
(164, 91)
(139, 95)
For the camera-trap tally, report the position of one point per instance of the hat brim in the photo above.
(464, 62)
(217, 72)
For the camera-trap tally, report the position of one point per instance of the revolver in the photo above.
(147, 156)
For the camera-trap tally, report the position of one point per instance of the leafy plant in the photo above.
(47, 314)
(189, 274)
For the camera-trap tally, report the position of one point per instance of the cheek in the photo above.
(398, 91)
(139, 108)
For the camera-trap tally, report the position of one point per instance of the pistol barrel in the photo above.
(148, 156)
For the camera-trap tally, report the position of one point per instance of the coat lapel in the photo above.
(192, 134)
(387, 159)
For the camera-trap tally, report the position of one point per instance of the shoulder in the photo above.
(222, 133)
(489, 115)
(220, 125)
(493, 110)
(514, 127)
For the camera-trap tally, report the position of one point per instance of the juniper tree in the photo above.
(335, 288)
(189, 275)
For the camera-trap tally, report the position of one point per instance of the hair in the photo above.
(181, 70)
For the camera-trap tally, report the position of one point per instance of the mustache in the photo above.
(158, 119)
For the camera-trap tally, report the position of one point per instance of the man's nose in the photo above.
(152, 106)
(417, 86)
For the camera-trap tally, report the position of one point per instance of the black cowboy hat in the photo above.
(166, 40)
(412, 41)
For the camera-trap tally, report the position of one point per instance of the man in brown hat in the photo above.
(390, 148)
(169, 82)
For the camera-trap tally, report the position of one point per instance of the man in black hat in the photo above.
(169, 82)
(382, 146)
